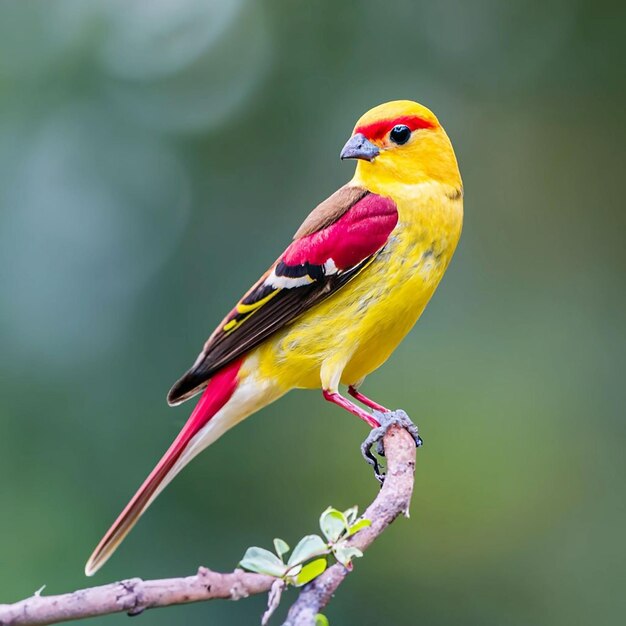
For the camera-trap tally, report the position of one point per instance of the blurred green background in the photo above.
(154, 159)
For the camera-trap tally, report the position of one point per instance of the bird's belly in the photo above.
(361, 325)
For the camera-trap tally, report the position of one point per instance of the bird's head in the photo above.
(401, 142)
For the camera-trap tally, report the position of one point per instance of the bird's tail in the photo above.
(197, 434)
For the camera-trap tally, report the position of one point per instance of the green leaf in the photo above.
(263, 562)
(362, 523)
(321, 620)
(351, 513)
(307, 548)
(345, 555)
(281, 547)
(310, 571)
(333, 524)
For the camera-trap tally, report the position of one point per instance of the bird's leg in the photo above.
(387, 420)
(344, 403)
(355, 393)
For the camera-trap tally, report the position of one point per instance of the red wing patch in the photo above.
(353, 237)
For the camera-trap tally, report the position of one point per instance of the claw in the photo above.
(376, 436)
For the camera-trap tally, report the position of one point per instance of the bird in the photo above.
(336, 303)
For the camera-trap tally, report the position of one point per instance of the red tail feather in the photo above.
(219, 390)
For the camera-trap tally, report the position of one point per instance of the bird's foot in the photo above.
(376, 436)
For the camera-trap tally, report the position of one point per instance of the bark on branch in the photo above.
(135, 595)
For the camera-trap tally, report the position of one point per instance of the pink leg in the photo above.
(344, 403)
(354, 392)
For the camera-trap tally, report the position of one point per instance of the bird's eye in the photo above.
(400, 134)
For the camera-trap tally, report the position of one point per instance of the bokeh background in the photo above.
(156, 156)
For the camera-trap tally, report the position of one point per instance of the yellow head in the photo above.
(401, 142)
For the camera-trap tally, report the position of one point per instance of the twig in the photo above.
(394, 498)
(135, 595)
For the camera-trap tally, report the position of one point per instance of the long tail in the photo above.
(192, 439)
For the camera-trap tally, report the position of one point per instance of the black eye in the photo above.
(400, 134)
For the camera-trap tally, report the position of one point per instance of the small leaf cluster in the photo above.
(310, 556)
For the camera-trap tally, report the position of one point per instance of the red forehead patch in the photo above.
(377, 130)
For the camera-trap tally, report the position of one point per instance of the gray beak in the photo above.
(358, 147)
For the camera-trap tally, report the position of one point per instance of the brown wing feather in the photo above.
(331, 209)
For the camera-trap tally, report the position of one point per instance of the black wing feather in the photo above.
(284, 308)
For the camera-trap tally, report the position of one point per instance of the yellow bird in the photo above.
(336, 303)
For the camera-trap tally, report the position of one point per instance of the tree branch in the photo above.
(135, 595)
(394, 498)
